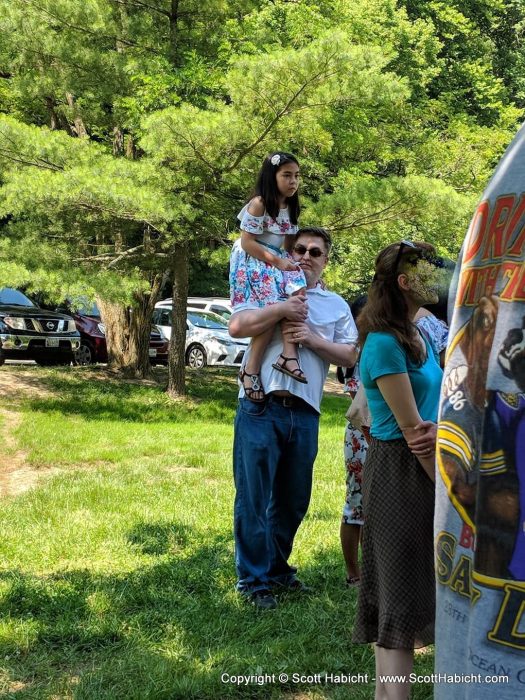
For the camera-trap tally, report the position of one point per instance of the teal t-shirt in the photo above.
(382, 354)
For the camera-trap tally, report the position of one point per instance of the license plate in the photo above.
(153, 352)
(52, 342)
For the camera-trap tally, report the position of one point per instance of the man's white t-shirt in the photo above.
(330, 317)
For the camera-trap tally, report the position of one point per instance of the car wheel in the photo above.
(196, 357)
(84, 355)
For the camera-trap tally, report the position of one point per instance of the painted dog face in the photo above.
(468, 383)
(511, 357)
(476, 345)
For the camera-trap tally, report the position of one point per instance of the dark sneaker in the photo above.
(262, 599)
(294, 586)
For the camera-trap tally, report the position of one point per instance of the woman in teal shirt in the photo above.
(402, 378)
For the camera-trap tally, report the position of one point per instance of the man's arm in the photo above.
(344, 354)
(252, 322)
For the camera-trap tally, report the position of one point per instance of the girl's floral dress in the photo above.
(254, 283)
(355, 449)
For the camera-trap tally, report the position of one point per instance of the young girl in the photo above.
(262, 271)
(355, 447)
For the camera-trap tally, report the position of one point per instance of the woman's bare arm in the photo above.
(397, 392)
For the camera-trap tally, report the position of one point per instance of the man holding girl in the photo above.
(275, 441)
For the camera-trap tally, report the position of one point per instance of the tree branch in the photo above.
(193, 147)
(114, 258)
(368, 219)
(286, 109)
(85, 30)
(137, 3)
(40, 163)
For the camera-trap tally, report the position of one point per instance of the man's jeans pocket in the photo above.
(251, 408)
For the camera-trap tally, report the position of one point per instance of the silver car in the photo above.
(207, 339)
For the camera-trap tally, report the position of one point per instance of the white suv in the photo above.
(207, 339)
(218, 305)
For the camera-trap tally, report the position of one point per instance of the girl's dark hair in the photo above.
(386, 309)
(358, 305)
(316, 231)
(266, 186)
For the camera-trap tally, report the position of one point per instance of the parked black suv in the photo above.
(30, 333)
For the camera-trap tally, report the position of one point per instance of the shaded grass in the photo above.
(116, 576)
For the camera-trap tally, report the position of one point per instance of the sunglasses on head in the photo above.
(314, 251)
(420, 254)
(402, 246)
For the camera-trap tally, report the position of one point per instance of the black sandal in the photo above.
(353, 581)
(255, 388)
(296, 374)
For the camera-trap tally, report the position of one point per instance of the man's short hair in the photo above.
(316, 231)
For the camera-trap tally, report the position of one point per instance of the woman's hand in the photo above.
(421, 438)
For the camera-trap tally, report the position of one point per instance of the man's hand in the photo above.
(252, 322)
(295, 309)
(299, 333)
(336, 353)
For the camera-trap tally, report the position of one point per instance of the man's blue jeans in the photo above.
(274, 451)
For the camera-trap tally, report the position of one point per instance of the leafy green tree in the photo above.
(92, 71)
(136, 129)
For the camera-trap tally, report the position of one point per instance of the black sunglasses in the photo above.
(315, 252)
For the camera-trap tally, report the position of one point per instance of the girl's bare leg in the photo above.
(288, 361)
(350, 535)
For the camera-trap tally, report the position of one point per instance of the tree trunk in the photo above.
(53, 119)
(128, 332)
(131, 151)
(118, 141)
(137, 358)
(116, 320)
(140, 330)
(177, 363)
(173, 19)
(79, 128)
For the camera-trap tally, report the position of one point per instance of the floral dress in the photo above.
(355, 449)
(254, 283)
(435, 330)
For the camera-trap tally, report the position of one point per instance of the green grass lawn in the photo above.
(116, 572)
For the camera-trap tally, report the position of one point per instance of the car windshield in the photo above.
(14, 298)
(87, 308)
(206, 319)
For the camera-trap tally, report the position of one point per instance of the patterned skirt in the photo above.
(397, 591)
